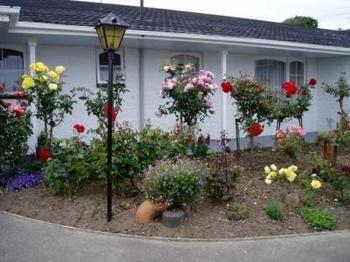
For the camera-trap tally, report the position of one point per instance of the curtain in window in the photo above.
(271, 73)
(11, 69)
(186, 59)
(103, 66)
(296, 72)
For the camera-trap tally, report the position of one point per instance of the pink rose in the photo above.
(208, 104)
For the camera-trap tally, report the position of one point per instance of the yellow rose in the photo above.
(25, 76)
(53, 86)
(291, 176)
(272, 175)
(39, 67)
(268, 181)
(273, 167)
(53, 75)
(267, 169)
(27, 83)
(316, 184)
(294, 168)
(43, 79)
(60, 69)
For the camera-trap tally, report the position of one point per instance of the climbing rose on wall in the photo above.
(79, 128)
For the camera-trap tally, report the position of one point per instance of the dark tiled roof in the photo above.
(87, 14)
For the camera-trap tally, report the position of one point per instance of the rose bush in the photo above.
(290, 142)
(45, 90)
(188, 94)
(15, 129)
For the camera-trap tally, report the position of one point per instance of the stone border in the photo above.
(169, 238)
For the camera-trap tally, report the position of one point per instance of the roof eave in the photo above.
(74, 30)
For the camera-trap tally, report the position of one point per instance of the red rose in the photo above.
(79, 128)
(114, 112)
(290, 88)
(2, 87)
(7, 104)
(44, 154)
(19, 110)
(255, 129)
(312, 82)
(227, 86)
(19, 94)
(190, 139)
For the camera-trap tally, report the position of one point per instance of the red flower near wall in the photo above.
(44, 154)
(79, 128)
(290, 88)
(19, 110)
(255, 129)
(114, 112)
(312, 82)
(227, 86)
(2, 88)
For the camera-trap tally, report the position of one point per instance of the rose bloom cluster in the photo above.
(283, 134)
(44, 75)
(188, 81)
(290, 88)
(273, 173)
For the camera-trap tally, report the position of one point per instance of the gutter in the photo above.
(73, 30)
(9, 14)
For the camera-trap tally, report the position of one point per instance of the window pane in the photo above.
(296, 72)
(186, 59)
(103, 66)
(270, 72)
(11, 69)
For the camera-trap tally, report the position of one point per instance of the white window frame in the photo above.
(197, 55)
(100, 51)
(23, 50)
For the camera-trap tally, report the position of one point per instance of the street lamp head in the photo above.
(110, 31)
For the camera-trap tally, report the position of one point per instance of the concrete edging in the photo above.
(169, 239)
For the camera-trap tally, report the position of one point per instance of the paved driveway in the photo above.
(23, 239)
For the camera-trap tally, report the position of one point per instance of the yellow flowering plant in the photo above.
(44, 89)
(283, 174)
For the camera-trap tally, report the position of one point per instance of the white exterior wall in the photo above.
(329, 70)
(81, 71)
(80, 63)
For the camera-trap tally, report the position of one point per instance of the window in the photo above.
(11, 69)
(296, 72)
(103, 66)
(271, 73)
(186, 59)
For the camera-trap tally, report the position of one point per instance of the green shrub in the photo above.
(275, 210)
(175, 184)
(125, 160)
(318, 218)
(69, 168)
(239, 208)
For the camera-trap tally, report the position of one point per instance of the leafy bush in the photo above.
(69, 168)
(15, 129)
(201, 147)
(220, 184)
(125, 158)
(153, 145)
(175, 184)
(290, 143)
(275, 210)
(318, 218)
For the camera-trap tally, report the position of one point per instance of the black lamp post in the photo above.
(110, 31)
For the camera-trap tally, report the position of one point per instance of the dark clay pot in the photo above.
(173, 218)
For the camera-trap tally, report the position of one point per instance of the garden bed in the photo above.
(206, 220)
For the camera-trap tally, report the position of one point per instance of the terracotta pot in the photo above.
(330, 153)
(148, 210)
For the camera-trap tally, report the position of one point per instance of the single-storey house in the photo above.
(62, 33)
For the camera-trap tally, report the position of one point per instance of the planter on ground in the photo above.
(173, 218)
(330, 153)
(148, 210)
